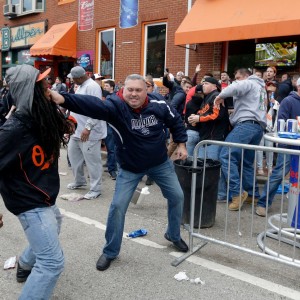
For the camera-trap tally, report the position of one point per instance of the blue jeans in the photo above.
(275, 180)
(110, 146)
(244, 133)
(193, 140)
(212, 152)
(166, 178)
(43, 256)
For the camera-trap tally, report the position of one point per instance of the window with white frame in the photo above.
(155, 49)
(27, 6)
(106, 53)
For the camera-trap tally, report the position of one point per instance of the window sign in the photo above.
(27, 34)
(5, 31)
(85, 15)
(85, 59)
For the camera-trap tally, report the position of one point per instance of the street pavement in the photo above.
(143, 270)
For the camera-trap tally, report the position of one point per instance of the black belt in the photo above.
(250, 121)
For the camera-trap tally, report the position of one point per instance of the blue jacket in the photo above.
(178, 100)
(284, 89)
(289, 107)
(139, 136)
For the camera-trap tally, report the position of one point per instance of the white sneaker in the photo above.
(75, 186)
(91, 195)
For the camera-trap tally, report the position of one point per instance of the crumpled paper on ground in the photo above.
(10, 263)
(182, 276)
(72, 197)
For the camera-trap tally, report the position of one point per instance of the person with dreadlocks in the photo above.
(29, 181)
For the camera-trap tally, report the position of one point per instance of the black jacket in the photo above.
(192, 107)
(27, 181)
(214, 123)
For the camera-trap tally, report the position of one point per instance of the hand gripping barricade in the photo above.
(279, 237)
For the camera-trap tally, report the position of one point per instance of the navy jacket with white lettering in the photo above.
(139, 136)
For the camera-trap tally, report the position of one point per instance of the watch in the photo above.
(88, 127)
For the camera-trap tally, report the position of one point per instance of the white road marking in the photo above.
(256, 281)
(101, 226)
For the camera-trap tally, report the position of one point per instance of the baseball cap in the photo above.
(76, 72)
(98, 76)
(212, 80)
(43, 75)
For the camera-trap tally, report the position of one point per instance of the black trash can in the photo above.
(183, 169)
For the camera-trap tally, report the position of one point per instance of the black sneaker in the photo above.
(179, 245)
(113, 175)
(22, 274)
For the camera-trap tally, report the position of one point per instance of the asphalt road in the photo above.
(143, 270)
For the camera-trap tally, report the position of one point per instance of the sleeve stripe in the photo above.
(210, 117)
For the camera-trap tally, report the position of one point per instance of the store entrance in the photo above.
(64, 68)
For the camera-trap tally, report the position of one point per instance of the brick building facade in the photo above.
(129, 43)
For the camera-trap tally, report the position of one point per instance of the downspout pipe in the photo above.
(187, 51)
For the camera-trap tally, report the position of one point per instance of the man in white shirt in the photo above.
(85, 143)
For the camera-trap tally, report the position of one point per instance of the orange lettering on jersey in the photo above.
(45, 166)
(38, 156)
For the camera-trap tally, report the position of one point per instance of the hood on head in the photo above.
(21, 80)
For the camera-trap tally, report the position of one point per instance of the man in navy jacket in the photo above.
(138, 121)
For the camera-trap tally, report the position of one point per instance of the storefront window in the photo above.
(155, 49)
(24, 58)
(106, 55)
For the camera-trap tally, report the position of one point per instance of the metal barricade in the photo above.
(243, 230)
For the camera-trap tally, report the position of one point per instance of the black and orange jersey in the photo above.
(214, 122)
(28, 179)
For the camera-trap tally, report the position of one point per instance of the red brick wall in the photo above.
(128, 57)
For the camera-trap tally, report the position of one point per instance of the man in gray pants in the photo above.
(85, 143)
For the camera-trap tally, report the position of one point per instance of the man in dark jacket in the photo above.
(214, 122)
(284, 88)
(138, 122)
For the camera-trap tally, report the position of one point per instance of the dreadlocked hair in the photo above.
(50, 123)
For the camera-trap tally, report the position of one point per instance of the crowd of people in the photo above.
(143, 127)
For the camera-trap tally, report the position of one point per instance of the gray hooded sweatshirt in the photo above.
(249, 100)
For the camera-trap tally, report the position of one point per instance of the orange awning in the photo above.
(59, 40)
(228, 20)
